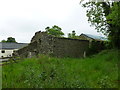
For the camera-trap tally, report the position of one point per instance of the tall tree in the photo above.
(101, 15)
(114, 21)
(55, 31)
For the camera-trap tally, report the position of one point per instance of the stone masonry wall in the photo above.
(43, 43)
(64, 47)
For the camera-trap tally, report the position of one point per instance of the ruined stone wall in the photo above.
(43, 43)
(66, 47)
(25, 51)
(37, 36)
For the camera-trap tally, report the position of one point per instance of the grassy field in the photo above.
(98, 71)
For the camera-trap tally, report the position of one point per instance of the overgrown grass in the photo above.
(99, 71)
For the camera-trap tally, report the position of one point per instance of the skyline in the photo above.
(21, 19)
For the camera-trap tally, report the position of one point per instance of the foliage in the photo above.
(114, 21)
(96, 47)
(3, 41)
(51, 72)
(9, 39)
(105, 17)
(55, 31)
(96, 13)
(73, 35)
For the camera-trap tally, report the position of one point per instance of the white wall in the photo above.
(8, 53)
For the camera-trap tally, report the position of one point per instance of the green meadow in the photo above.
(97, 71)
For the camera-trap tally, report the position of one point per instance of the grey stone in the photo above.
(42, 43)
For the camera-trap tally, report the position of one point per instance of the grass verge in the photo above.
(98, 71)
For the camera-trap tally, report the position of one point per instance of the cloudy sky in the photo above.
(22, 18)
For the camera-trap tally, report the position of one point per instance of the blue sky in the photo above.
(22, 18)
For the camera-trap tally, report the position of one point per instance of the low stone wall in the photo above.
(43, 43)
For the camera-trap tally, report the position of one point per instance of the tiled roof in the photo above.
(12, 45)
(95, 37)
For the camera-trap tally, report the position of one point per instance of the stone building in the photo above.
(96, 43)
(92, 37)
(42, 43)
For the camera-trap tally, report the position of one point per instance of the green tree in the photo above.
(96, 13)
(102, 16)
(3, 41)
(73, 35)
(114, 20)
(55, 31)
(11, 39)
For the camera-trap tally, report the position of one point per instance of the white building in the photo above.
(6, 49)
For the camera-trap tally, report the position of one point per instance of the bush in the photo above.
(95, 47)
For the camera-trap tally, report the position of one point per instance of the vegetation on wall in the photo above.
(73, 35)
(55, 31)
